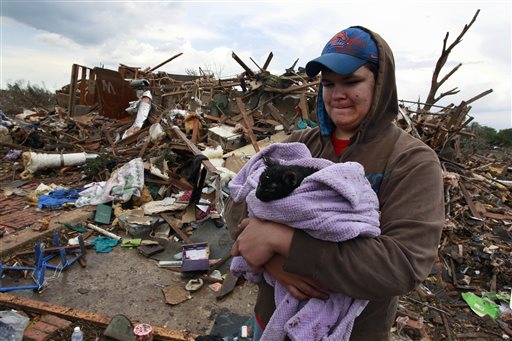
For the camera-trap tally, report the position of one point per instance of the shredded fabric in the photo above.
(58, 198)
(77, 228)
(123, 183)
(336, 203)
(104, 244)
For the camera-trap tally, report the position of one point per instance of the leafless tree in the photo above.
(436, 84)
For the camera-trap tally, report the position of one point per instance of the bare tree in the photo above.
(436, 84)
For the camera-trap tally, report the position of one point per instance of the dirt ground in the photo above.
(125, 282)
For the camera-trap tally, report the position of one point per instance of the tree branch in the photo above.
(435, 84)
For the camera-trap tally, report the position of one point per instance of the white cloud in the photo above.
(56, 40)
(147, 33)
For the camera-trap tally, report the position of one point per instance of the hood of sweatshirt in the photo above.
(384, 106)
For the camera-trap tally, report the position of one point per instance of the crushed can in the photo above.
(143, 332)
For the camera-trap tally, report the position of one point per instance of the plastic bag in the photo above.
(12, 325)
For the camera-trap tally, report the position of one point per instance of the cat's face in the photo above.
(275, 182)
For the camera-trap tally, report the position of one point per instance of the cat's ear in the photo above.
(290, 178)
(268, 161)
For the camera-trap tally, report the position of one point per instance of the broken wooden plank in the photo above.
(72, 89)
(134, 137)
(227, 286)
(293, 88)
(267, 62)
(303, 105)
(498, 216)
(248, 124)
(192, 147)
(195, 131)
(469, 201)
(274, 112)
(102, 321)
(218, 264)
(165, 62)
(53, 249)
(144, 147)
(242, 64)
(173, 223)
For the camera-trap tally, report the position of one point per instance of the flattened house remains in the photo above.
(196, 135)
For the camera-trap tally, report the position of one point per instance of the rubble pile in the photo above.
(159, 149)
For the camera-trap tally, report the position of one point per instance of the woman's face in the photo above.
(347, 98)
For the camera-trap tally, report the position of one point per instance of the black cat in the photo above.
(277, 181)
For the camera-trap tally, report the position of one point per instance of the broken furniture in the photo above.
(62, 253)
(38, 272)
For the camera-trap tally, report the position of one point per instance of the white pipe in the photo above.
(144, 107)
(143, 112)
(36, 161)
(102, 231)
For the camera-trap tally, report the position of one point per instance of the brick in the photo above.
(45, 327)
(56, 321)
(32, 334)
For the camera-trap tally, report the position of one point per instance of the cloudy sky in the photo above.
(40, 40)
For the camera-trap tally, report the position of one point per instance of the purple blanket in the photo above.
(336, 203)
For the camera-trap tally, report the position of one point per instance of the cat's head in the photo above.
(276, 181)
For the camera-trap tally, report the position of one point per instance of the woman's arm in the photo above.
(300, 287)
(412, 218)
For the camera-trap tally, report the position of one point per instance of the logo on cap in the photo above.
(354, 42)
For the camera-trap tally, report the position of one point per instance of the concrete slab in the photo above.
(12, 242)
(125, 282)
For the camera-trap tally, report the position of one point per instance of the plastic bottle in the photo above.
(77, 335)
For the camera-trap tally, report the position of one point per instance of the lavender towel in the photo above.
(335, 203)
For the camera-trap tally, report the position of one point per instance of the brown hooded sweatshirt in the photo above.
(406, 175)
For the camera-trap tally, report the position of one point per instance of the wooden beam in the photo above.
(485, 93)
(242, 64)
(292, 88)
(195, 131)
(68, 313)
(269, 58)
(192, 147)
(83, 83)
(469, 201)
(274, 112)
(167, 61)
(173, 223)
(248, 124)
(72, 89)
(303, 105)
(53, 249)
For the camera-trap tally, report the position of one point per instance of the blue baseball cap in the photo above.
(346, 52)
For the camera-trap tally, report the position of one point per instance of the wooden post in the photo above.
(72, 89)
(83, 84)
(248, 124)
(195, 131)
(303, 105)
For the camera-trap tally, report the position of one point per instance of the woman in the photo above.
(357, 103)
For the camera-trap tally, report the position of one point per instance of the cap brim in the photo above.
(342, 64)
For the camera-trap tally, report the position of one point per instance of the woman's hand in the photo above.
(302, 288)
(260, 240)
